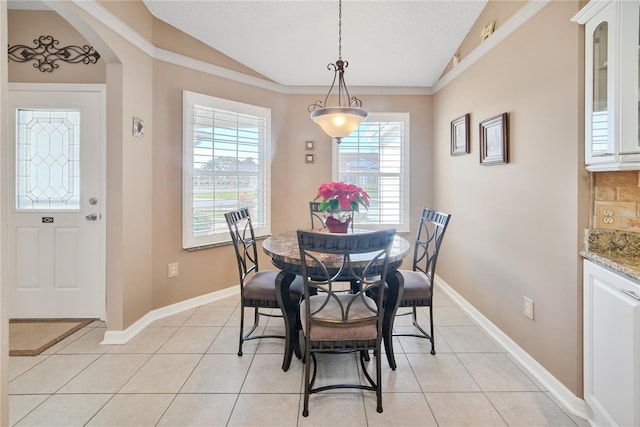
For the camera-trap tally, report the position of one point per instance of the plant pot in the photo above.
(336, 225)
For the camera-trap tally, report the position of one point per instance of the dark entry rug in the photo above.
(30, 337)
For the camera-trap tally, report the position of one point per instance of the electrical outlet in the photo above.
(528, 308)
(172, 270)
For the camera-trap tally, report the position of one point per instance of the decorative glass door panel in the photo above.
(48, 160)
(600, 116)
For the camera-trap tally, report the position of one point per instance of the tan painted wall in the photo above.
(516, 229)
(26, 26)
(496, 11)
(294, 182)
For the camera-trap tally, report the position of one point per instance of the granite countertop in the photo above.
(618, 251)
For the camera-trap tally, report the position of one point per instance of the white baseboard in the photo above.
(122, 337)
(577, 406)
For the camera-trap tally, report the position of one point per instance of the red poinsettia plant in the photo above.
(339, 197)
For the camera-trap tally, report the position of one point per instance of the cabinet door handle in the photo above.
(631, 294)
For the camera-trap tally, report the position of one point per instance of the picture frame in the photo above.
(309, 145)
(309, 158)
(494, 140)
(460, 135)
(137, 128)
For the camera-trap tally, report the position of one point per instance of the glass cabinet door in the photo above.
(600, 103)
(629, 78)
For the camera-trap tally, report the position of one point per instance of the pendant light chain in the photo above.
(340, 29)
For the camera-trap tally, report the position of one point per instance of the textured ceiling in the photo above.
(387, 43)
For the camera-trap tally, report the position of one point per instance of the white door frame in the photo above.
(71, 87)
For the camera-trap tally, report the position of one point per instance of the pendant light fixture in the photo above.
(339, 121)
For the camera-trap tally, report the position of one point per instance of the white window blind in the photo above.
(376, 157)
(226, 147)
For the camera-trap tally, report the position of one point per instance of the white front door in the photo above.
(56, 253)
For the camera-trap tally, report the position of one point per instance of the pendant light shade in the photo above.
(341, 120)
(338, 122)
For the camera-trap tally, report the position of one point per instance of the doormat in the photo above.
(30, 337)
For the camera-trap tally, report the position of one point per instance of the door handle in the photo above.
(91, 217)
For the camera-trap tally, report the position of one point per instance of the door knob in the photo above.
(91, 217)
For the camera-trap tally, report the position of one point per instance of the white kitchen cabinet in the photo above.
(611, 347)
(612, 84)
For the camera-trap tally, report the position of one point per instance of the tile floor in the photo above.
(183, 370)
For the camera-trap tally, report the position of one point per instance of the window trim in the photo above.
(405, 173)
(189, 241)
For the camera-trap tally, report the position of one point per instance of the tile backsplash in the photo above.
(616, 200)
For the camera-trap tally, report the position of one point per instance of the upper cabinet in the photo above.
(612, 84)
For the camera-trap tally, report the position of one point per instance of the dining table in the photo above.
(285, 255)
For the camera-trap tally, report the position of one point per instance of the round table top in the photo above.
(283, 249)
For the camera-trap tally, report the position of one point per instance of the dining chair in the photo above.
(257, 287)
(418, 282)
(338, 322)
(317, 216)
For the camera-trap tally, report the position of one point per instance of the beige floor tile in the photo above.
(139, 410)
(149, 340)
(88, 343)
(177, 319)
(18, 365)
(441, 373)
(265, 410)
(466, 339)
(227, 342)
(211, 410)
(440, 298)
(209, 316)
(51, 374)
(231, 301)
(107, 374)
(529, 409)
(20, 405)
(272, 345)
(65, 410)
(338, 369)
(579, 421)
(450, 316)
(420, 345)
(163, 373)
(463, 410)
(402, 380)
(218, 373)
(266, 376)
(65, 342)
(399, 409)
(249, 313)
(191, 339)
(334, 409)
(496, 372)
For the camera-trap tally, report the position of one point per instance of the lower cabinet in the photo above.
(611, 347)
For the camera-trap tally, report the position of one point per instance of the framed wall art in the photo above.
(309, 158)
(494, 140)
(460, 135)
(309, 145)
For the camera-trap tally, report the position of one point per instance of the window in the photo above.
(376, 157)
(226, 148)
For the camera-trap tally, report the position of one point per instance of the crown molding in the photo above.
(518, 19)
(93, 8)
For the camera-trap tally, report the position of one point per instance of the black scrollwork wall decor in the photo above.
(46, 54)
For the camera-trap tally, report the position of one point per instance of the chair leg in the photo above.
(378, 378)
(241, 328)
(307, 380)
(433, 347)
